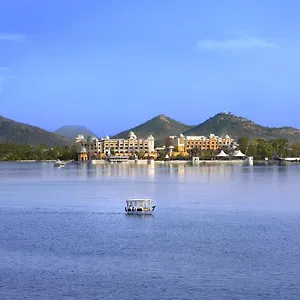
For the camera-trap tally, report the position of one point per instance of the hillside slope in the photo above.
(19, 133)
(160, 127)
(225, 123)
(71, 131)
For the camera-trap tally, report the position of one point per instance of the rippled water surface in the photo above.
(219, 232)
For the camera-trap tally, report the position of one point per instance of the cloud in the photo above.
(12, 37)
(234, 44)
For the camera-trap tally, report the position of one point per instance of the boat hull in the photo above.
(140, 212)
(59, 165)
(149, 212)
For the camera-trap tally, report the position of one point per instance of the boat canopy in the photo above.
(138, 203)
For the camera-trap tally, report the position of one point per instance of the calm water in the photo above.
(225, 232)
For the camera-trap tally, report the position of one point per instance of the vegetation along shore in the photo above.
(259, 149)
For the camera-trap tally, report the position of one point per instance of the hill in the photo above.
(19, 133)
(160, 127)
(72, 131)
(235, 127)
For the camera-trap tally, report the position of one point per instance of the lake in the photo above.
(218, 232)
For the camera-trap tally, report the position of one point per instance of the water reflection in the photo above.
(144, 217)
(179, 173)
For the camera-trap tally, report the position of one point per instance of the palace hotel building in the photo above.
(94, 148)
(182, 144)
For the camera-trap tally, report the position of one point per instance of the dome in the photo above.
(92, 138)
(181, 135)
(131, 135)
(80, 137)
(83, 150)
(107, 137)
(150, 137)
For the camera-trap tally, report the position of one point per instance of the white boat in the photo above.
(59, 163)
(139, 207)
(118, 158)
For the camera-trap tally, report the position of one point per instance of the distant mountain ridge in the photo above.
(71, 131)
(160, 127)
(20, 133)
(235, 127)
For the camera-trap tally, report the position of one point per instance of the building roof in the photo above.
(238, 153)
(92, 138)
(83, 150)
(222, 154)
(131, 135)
(195, 137)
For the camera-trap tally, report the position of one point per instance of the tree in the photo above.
(161, 155)
(196, 151)
(180, 157)
(140, 154)
(243, 143)
(251, 151)
(263, 149)
(295, 150)
(280, 147)
(157, 144)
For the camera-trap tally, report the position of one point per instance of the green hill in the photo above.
(226, 123)
(19, 133)
(71, 131)
(160, 127)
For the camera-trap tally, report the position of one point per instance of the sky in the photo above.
(111, 65)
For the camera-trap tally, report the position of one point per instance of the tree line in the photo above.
(259, 149)
(11, 152)
(271, 149)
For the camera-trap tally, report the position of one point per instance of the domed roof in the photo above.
(107, 137)
(150, 137)
(181, 135)
(80, 137)
(83, 150)
(131, 135)
(92, 138)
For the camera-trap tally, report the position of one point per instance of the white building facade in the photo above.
(94, 147)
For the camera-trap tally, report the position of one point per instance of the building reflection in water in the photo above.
(213, 172)
(122, 170)
(177, 171)
(151, 171)
(182, 172)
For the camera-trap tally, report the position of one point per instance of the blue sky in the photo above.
(111, 65)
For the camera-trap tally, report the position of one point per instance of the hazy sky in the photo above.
(110, 65)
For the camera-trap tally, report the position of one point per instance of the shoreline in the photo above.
(142, 161)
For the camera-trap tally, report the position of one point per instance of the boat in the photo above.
(139, 207)
(59, 163)
(118, 158)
